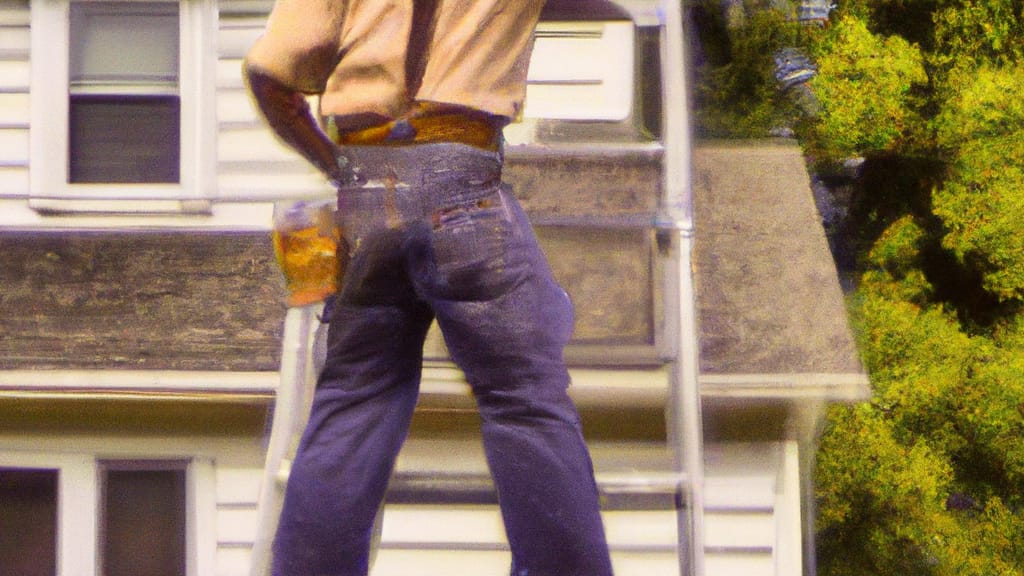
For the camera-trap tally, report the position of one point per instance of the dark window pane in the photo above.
(124, 139)
(28, 522)
(143, 521)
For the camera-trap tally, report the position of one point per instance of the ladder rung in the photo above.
(635, 491)
(434, 488)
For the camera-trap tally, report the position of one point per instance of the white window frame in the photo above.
(49, 189)
(77, 507)
(78, 501)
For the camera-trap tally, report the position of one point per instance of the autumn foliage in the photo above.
(927, 478)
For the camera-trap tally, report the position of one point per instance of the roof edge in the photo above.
(836, 387)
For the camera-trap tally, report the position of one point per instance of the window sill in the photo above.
(136, 207)
(63, 214)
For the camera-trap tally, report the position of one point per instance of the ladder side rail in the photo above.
(676, 219)
(291, 410)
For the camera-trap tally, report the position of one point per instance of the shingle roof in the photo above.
(767, 290)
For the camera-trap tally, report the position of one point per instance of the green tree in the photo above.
(737, 95)
(982, 202)
(924, 479)
(945, 359)
(927, 478)
(972, 33)
(865, 88)
(884, 502)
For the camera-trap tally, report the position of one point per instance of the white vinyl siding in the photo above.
(237, 491)
(15, 41)
(252, 163)
(470, 539)
(752, 525)
(752, 510)
(581, 71)
(429, 540)
(229, 155)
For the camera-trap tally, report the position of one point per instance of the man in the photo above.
(413, 96)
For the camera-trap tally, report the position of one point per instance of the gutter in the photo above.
(139, 385)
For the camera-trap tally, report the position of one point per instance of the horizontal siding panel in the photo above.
(236, 107)
(482, 525)
(235, 40)
(233, 561)
(14, 110)
(14, 13)
(641, 528)
(236, 525)
(552, 54)
(234, 7)
(229, 74)
(646, 564)
(739, 564)
(245, 145)
(13, 181)
(597, 84)
(253, 164)
(451, 525)
(252, 145)
(14, 41)
(581, 72)
(468, 526)
(14, 146)
(574, 101)
(15, 76)
(496, 563)
(238, 485)
(14, 99)
(258, 183)
(470, 540)
(739, 530)
(449, 562)
(739, 493)
(441, 563)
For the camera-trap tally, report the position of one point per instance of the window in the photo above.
(142, 518)
(124, 111)
(105, 517)
(123, 98)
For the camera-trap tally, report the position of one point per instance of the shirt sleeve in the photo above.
(301, 44)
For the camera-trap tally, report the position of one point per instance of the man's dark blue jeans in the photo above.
(433, 233)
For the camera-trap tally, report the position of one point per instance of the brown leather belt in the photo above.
(474, 129)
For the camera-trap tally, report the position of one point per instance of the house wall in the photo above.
(14, 98)
(196, 296)
(74, 437)
(752, 524)
(593, 209)
(251, 163)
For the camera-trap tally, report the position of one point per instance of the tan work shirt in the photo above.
(366, 57)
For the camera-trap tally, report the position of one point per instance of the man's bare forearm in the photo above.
(288, 114)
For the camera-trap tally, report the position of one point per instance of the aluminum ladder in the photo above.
(675, 227)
